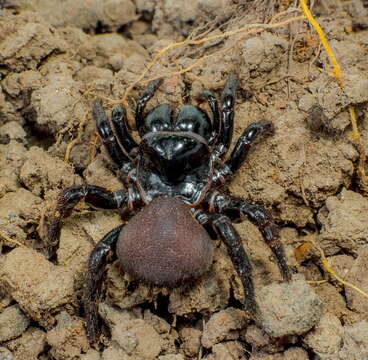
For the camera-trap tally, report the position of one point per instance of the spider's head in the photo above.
(176, 145)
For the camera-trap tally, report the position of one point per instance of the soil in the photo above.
(57, 57)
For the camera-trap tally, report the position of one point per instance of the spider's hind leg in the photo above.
(236, 209)
(227, 233)
(92, 290)
(270, 232)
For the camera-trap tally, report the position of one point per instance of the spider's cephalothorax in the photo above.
(170, 181)
(177, 142)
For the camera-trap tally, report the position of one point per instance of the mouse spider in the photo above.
(170, 178)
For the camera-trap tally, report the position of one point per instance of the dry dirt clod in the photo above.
(29, 345)
(227, 350)
(168, 334)
(342, 264)
(42, 172)
(262, 54)
(191, 339)
(5, 354)
(91, 355)
(180, 16)
(12, 156)
(256, 337)
(114, 352)
(12, 131)
(290, 308)
(68, 339)
(293, 353)
(78, 236)
(332, 299)
(296, 353)
(223, 325)
(38, 286)
(58, 106)
(358, 274)
(325, 338)
(112, 315)
(18, 209)
(171, 357)
(84, 15)
(209, 293)
(355, 342)
(137, 339)
(96, 173)
(344, 220)
(5, 301)
(124, 292)
(12, 323)
(20, 204)
(25, 41)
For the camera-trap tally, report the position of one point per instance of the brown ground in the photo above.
(56, 57)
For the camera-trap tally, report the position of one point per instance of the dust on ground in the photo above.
(56, 57)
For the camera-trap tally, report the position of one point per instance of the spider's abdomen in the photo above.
(164, 244)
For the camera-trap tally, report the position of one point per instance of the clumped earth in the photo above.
(56, 57)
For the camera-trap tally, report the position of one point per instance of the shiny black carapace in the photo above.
(170, 180)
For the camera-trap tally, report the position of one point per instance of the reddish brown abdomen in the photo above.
(164, 245)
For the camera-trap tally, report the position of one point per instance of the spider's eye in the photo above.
(187, 125)
(193, 119)
(159, 119)
(158, 125)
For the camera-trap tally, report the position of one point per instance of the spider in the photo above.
(171, 183)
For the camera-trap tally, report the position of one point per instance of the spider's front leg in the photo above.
(245, 142)
(93, 195)
(237, 208)
(228, 98)
(122, 132)
(117, 154)
(142, 102)
(241, 150)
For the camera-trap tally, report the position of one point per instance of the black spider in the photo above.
(169, 178)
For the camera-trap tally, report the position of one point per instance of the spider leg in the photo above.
(121, 129)
(237, 208)
(142, 102)
(212, 101)
(245, 142)
(92, 290)
(240, 151)
(270, 232)
(107, 136)
(94, 195)
(227, 233)
(227, 116)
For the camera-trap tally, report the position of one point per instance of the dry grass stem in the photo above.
(13, 241)
(329, 269)
(245, 31)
